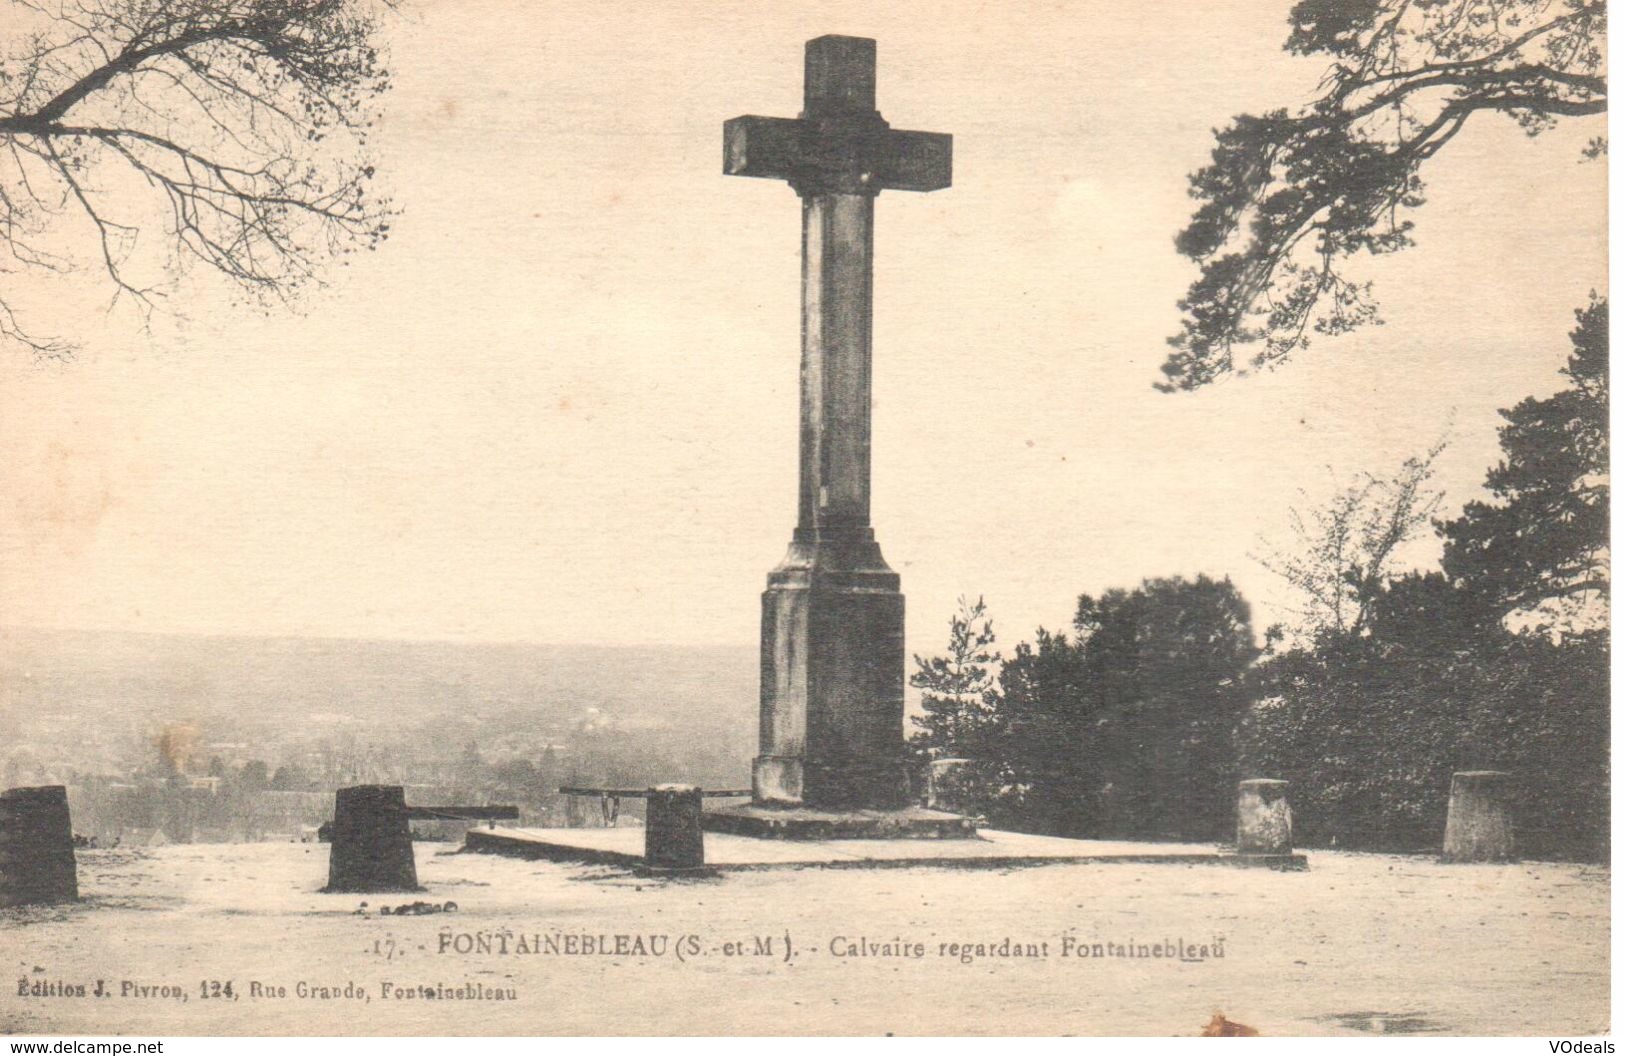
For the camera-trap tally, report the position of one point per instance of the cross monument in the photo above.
(832, 614)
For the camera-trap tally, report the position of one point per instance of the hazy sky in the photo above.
(559, 404)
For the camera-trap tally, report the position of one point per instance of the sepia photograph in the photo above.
(813, 519)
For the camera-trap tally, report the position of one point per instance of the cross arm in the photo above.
(819, 157)
(766, 147)
(916, 161)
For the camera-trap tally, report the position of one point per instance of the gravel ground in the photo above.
(1359, 944)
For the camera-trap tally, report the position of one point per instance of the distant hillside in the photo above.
(292, 682)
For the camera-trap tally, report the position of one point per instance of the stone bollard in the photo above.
(372, 841)
(36, 847)
(945, 781)
(672, 839)
(1478, 825)
(1263, 817)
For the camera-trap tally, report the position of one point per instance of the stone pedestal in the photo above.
(673, 841)
(1263, 818)
(372, 841)
(36, 847)
(1478, 826)
(832, 678)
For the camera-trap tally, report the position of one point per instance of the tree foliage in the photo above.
(238, 129)
(1370, 726)
(1341, 553)
(1126, 729)
(1165, 636)
(1369, 731)
(1167, 661)
(1053, 783)
(1290, 196)
(960, 698)
(1542, 542)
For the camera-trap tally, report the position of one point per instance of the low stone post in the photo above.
(372, 841)
(672, 838)
(36, 847)
(1478, 826)
(946, 778)
(1263, 817)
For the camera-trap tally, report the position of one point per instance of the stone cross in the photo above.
(832, 614)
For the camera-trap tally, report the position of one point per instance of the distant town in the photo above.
(173, 739)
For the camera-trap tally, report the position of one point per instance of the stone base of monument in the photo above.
(806, 823)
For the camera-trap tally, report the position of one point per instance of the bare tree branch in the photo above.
(1342, 553)
(246, 122)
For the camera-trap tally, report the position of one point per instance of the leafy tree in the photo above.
(1425, 613)
(254, 776)
(1369, 732)
(1126, 729)
(1369, 727)
(1341, 554)
(1290, 197)
(960, 698)
(290, 777)
(1052, 768)
(1165, 634)
(236, 128)
(963, 717)
(1166, 662)
(1542, 543)
(521, 780)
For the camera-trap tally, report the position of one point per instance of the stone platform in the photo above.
(805, 823)
(988, 849)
